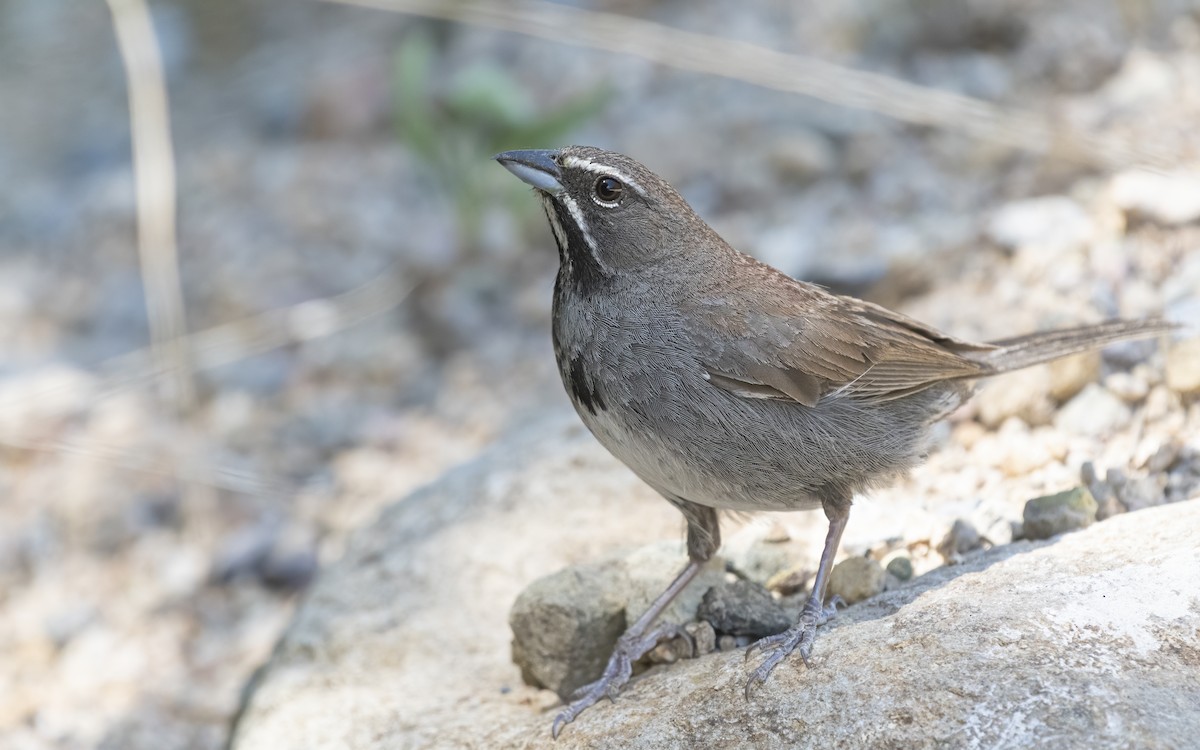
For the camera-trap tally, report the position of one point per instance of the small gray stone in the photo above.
(726, 643)
(242, 553)
(1143, 492)
(901, 567)
(703, 636)
(1164, 458)
(1094, 412)
(1051, 515)
(1107, 504)
(959, 540)
(743, 608)
(1183, 485)
(565, 625)
(856, 578)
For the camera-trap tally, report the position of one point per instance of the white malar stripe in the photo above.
(555, 226)
(593, 167)
(577, 215)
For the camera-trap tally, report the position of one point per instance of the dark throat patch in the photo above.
(583, 270)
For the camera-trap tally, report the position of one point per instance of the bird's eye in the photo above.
(608, 189)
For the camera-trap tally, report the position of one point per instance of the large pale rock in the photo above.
(1090, 641)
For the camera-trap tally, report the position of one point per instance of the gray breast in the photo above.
(637, 384)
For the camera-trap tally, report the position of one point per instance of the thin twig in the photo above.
(154, 173)
(761, 66)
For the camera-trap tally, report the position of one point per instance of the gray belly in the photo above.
(692, 440)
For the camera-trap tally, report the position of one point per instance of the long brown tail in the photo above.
(1036, 348)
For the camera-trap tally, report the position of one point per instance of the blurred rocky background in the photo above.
(367, 297)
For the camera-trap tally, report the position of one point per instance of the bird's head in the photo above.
(609, 214)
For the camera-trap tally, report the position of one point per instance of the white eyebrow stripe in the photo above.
(593, 167)
(577, 215)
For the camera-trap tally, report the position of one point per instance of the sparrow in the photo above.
(724, 384)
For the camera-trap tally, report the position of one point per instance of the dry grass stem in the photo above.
(761, 66)
(154, 173)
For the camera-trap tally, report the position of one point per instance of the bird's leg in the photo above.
(703, 540)
(800, 636)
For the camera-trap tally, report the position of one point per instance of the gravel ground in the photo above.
(149, 561)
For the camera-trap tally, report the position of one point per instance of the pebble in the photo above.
(289, 568)
(856, 578)
(1107, 504)
(1164, 457)
(791, 581)
(1023, 456)
(1183, 367)
(1142, 492)
(1051, 515)
(1126, 386)
(1160, 403)
(242, 553)
(901, 567)
(1183, 485)
(743, 608)
(704, 637)
(1069, 376)
(958, 541)
(1053, 222)
(1170, 199)
(1024, 394)
(565, 625)
(1094, 412)
(670, 650)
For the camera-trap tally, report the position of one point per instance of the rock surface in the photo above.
(1091, 641)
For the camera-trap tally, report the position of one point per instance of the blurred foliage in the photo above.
(455, 127)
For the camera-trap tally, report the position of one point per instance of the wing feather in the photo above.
(800, 343)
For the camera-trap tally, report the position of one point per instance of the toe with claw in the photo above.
(630, 647)
(798, 638)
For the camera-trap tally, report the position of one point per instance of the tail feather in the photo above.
(1036, 348)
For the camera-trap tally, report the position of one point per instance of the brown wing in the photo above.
(794, 341)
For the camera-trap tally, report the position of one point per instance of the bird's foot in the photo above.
(630, 647)
(799, 638)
